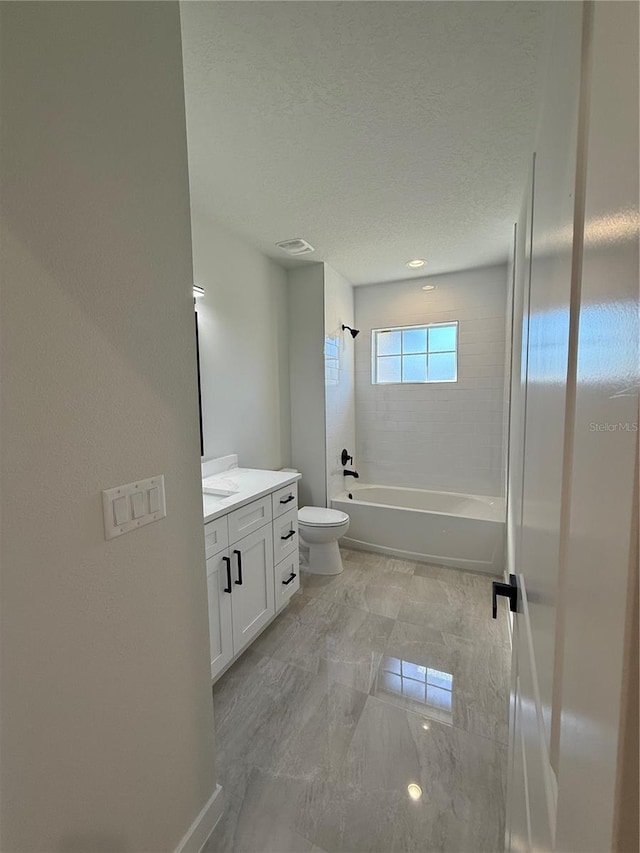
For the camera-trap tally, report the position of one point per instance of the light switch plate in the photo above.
(119, 504)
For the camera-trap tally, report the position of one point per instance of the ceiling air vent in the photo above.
(296, 247)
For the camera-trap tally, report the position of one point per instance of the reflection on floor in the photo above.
(370, 716)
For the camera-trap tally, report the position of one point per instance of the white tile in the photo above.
(436, 436)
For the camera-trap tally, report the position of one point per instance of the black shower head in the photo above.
(354, 332)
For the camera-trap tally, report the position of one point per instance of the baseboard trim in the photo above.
(198, 833)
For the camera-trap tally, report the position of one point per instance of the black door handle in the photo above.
(288, 536)
(228, 562)
(239, 556)
(287, 582)
(288, 500)
(510, 590)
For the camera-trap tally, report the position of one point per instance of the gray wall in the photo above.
(244, 349)
(339, 354)
(306, 353)
(107, 736)
(446, 436)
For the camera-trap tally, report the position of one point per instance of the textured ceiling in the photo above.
(378, 131)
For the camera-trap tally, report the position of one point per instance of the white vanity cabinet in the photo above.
(253, 572)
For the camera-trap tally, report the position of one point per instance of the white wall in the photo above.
(306, 353)
(339, 354)
(107, 735)
(436, 436)
(244, 352)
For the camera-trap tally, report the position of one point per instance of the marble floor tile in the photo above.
(267, 642)
(255, 706)
(340, 705)
(321, 730)
(447, 678)
(315, 585)
(251, 824)
(342, 642)
(378, 562)
(460, 778)
(381, 591)
(453, 605)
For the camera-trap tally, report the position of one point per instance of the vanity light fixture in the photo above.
(416, 263)
(428, 287)
(415, 791)
(354, 332)
(197, 291)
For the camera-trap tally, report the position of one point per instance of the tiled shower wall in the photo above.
(444, 436)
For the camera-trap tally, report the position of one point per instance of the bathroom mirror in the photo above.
(199, 385)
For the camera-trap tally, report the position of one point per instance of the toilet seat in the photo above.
(318, 516)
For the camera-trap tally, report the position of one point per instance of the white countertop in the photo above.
(253, 483)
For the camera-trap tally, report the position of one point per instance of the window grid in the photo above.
(377, 359)
(420, 683)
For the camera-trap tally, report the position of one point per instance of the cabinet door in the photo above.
(253, 586)
(220, 622)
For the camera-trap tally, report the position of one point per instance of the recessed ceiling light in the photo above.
(429, 287)
(415, 791)
(416, 263)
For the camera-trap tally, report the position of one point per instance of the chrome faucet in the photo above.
(348, 473)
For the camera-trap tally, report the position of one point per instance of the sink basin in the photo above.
(224, 487)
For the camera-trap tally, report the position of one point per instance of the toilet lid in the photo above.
(319, 516)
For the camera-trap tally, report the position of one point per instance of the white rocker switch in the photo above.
(120, 510)
(154, 500)
(137, 504)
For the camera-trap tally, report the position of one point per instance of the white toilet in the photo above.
(320, 529)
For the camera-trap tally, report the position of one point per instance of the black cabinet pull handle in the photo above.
(289, 535)
(293, 577)
(510, 590)
(288, 500)
(239, 556)
(228, 562)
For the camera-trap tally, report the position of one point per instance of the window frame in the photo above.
(375, 357)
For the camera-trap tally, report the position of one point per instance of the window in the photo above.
(415, 354)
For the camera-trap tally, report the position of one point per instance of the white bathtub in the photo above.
(464, 531)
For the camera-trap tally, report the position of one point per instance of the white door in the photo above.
(219, 594)
(544, 274)
(253, 585)
(597, 765)
(564, 472)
